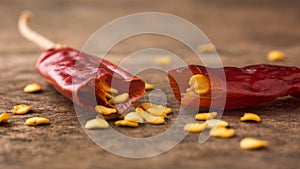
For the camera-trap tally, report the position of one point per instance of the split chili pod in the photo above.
(245, 87)
(81, 77)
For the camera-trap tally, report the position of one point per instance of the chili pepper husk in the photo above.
(245, 87)
(81, 78)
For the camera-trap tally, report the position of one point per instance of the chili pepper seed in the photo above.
(275, 55)
(195, 127)
(34, 121)
(135, 117)
(209, 47)
(105, 110)
(120, 98)
(199, 84)
(216, 123)
(4, 117)
(149, 86)
(206, 116)
(250, 117)
(156, 110)
(164, 60)
(32, 88)
(96, 123)
(21, 109)
(126, 123)
(151, 119)
(252, 143)
(222, 132)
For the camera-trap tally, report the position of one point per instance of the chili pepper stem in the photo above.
(33, 36)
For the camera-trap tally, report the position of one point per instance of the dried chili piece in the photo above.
(80, 77)
(245, 87)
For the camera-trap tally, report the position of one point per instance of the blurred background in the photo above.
(239, 29)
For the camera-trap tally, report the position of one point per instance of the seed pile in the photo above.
(145, 113)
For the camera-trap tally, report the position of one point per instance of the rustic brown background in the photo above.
(243, 31)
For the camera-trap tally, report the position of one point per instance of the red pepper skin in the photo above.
(245, 87)
(80, 77)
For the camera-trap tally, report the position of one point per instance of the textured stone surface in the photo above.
(243, 32)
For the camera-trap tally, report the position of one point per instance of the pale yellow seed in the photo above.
(96, 123)
(110, 89)
(195, 127)
(120, 98)
(209, 47)
(135, 117)
(105, 110)
(216, 123)
(32, 88)
(222, 132)
(250, 117)
(168, 110)
(164, 60)
(21, 109)
(199, 84)
(4, 117)
(108, 95)
(156, 110)
(149, 86)
(252, 143)
(206, 116)
(34, 121)
(275, 55)
(139, 109)
(126, 123)
(149, 118)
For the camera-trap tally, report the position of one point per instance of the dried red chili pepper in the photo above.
(245, 87)
(81, 77)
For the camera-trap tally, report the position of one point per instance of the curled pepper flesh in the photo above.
(241, 88)
(82, 78)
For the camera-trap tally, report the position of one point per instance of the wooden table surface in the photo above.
(243, 32)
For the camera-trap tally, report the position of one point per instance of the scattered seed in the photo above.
(135, 117)
(4, 117)
(105, 110)
(206, 116)
(32, 88)
(252, 143)
(34, 121)
(151, 119)
(250, 117)
(21, 109)
(149, 86)
(216, 123)
(195, 127)
(199, 84)
(209, 47)
(156, 110)
(96, 123)
(275, 55)
(120, 98)
(164, 60)
(126, 123)
(222, 132)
